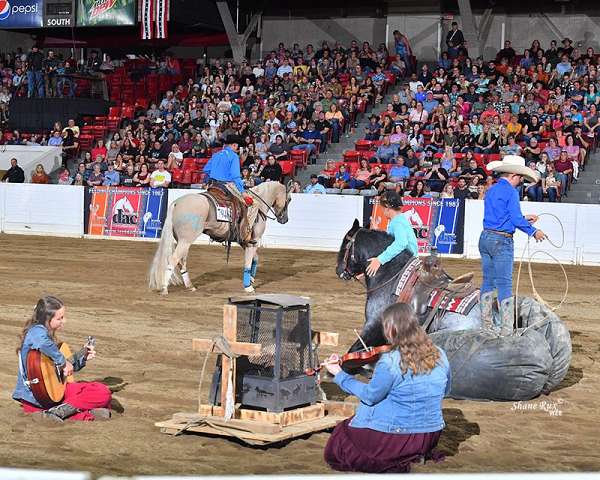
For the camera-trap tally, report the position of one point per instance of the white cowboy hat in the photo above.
(513, 164)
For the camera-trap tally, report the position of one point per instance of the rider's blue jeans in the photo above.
(497, 259)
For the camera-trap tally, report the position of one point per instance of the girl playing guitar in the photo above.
(82, 401)
(399, 419)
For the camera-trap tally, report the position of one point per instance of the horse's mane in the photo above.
(372, 242)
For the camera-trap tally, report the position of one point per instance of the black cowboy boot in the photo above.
(60, 413)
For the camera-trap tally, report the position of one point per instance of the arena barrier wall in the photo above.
(317, 222)
(28, 156)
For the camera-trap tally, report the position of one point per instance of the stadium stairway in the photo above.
(335, 151)
(587, 188)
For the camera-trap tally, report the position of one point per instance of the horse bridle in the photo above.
(271, 209)
(349, 252)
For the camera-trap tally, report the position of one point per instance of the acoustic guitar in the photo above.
(46, 380)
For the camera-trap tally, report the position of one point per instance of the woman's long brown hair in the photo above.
(403, 331)
(43, 312)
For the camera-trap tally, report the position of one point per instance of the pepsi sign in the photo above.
(21, 14)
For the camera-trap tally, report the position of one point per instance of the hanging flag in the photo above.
(161, 18)
(147, 17)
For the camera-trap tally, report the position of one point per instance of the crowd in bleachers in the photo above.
(434, 138)
(288, 107)
(448, 122)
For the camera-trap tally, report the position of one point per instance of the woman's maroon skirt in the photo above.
(352, 449)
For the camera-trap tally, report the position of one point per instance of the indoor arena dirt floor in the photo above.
(144, 355)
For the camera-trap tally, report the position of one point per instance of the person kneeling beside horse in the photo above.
(82, 400)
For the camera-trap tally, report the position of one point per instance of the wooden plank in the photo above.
(236, 424)
(230, 334)
(300, 415)
(240, 348)
(329, 339)
(259, 416)
(340, 409)
(291, 431)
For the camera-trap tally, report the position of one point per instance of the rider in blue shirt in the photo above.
(502, 216)
(399, 227)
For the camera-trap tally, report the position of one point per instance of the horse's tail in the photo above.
(158, 268)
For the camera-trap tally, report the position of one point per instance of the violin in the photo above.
(355, 359)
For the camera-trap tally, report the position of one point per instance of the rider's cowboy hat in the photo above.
(235, 139)
(513, 164)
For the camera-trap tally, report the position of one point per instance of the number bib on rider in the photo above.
(223, 214)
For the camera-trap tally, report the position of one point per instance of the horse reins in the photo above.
(270, 208)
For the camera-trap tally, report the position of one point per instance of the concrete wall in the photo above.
(292, 30)
(9, 41)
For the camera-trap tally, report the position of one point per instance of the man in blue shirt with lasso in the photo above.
(224, 168)
(502, 216)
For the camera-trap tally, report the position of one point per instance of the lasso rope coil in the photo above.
(531, 255)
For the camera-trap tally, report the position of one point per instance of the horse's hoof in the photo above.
(191, 289)
(164, 293)
(249, 289)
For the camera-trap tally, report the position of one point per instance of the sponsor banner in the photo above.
(124, 211)
(91, 13)
(437, 222)
(21, 14)
(59, 13)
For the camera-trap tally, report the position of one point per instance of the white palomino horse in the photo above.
(194, 214)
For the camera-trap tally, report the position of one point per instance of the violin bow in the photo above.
(361, 340)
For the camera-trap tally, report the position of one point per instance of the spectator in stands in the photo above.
(96, 178)
(14, 174)
(142, 177)
(111, 176)
(402, 48)
(160, 177)
(462, 189)
(56, 140)
(314, 186)
(64, 177)
(360, 178)
(373, 129)
(564, 170)
(35, 73)
(386, 152)
(272, 170)
(39, 175)
(399, 173)
(448, 191)
(436, 177)
(342, 177)
(474, 171)
(551, 183)
(378, 178)
(533, 190)
(418, 190)
(507, 52)
(127, 178)
(5, 97)
(454, 40)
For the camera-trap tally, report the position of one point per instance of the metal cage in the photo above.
(274, 380)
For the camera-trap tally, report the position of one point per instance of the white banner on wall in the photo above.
(316, 222)
(42, 209)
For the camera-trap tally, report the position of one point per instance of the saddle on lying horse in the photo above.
(426, 286)
(225, 201)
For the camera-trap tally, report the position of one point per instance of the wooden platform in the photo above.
(260, 428)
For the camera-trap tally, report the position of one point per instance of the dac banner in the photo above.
(21, 13)
(124, 211)
(437, 222)
(92, 13)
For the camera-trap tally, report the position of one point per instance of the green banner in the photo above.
(92, 13)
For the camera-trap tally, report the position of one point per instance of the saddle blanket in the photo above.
(410, 277)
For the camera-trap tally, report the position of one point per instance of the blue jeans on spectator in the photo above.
(381, 159)
(60, 85)
(35, 80)
(372, 136)
(354, 183)
(323, 143)
(564, 179)
(311, 147)
(336, 129)
(535, 193)
(497, 259)
(552, 194)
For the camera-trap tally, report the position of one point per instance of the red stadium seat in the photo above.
(177, 175)
(288, 168)
(114, 112)
(362, 145)
(189, 163)
(351, 156)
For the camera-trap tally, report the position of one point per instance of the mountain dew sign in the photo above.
(91, 13)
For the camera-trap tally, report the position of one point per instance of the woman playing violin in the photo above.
(399, 419)
(82, 401)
